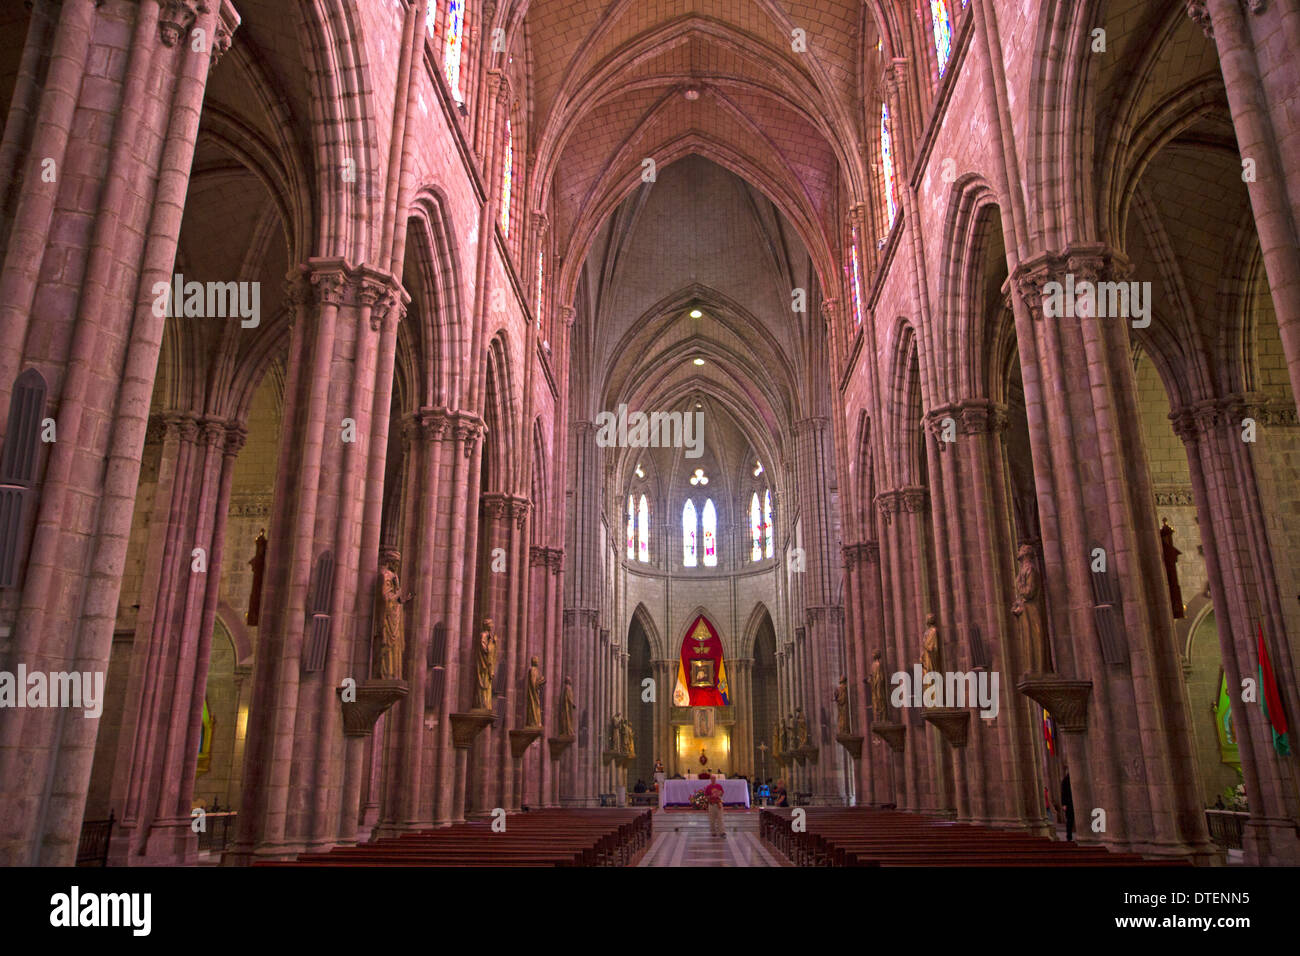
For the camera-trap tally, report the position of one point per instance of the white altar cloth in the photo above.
(734, 792)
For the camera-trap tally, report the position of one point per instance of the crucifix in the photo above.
(762, 761)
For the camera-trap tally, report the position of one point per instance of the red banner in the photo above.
(702, 653)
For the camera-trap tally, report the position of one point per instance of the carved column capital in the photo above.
(1200, 14)
(176, 17)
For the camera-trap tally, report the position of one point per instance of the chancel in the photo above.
(587, 414)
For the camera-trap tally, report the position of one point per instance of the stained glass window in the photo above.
(431, 18)
(507, 175)
(942, 32)
(451, 54)
(887, 162)
(689, 526)
(767, 520)
(857, 279)
(755, 529)
(541, 273)
(710, 520)
(643, 529)
(631, 530)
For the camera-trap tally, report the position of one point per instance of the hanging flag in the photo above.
(1228, 753)
(722, 683)
(681, 696)
(1049, 732)
(1272, 700)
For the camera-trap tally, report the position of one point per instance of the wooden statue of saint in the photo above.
(931, 649)
(1169, 554)
(879, 697)
(801, 728)
(567, 707)
(842, 705)
(258, 564)
(533, 699)
(1028, 613)
(390, 637)
(485, 665)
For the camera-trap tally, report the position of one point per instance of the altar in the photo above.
(735, 793)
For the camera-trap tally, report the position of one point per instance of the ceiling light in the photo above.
(692, 94)
(696, 313)
(699, 361)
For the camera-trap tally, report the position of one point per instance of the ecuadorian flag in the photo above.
(723, 689)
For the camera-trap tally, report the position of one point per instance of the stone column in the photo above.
(1134, 759)
(316, 627)
(98, 348)
(1257, 41)
(1245, 591)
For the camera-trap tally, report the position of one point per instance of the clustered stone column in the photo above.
(159, 743)
(1132, 757)
(1247, 598)
(97, 351)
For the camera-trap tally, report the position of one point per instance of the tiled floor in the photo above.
(682, 839)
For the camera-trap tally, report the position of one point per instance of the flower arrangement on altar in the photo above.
(699, 801)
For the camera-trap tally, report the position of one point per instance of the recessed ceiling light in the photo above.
(699, 361)
(692, 94)
(696, 313)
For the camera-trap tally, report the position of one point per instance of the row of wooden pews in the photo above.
(535, 838)
(837, 836)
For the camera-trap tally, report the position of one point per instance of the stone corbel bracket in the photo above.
(953, 724)
(1066, 700)
(465, 727)
(851, 743)
(893, 734)
(521, 740)
(559, 745)
(374, 697)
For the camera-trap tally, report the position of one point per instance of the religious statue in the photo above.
(842, 706)
(390, 638)
(485, 665)
(258, 564)
(931, 649)
(1169, 554)
(616, 733)
(533, 684)
(629, 739)
(1028, 613)
(567, 707)
(778, 739)
(801, 728)
(879, 697)
(788, 737)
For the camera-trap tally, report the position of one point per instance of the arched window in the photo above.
(755, 529)
(887, 163)
(507, 177)
(643, 529)
(431, 18)
(455, 46)
(710, 520)
(856, 288)
(689, 527)
(942, 33)
(767, 520)
(631, 530)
